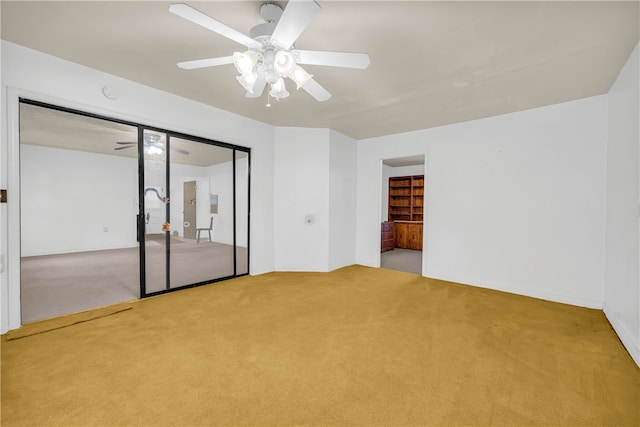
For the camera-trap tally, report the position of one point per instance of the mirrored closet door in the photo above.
(195, 211)
(113, 211)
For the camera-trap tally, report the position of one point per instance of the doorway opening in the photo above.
(402, 212)
(103, 216)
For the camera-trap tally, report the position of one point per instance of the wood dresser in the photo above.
(388, 236)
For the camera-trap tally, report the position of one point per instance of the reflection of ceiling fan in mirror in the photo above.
(152, 145)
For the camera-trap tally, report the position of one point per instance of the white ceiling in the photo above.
(432, 63)
(405, 161)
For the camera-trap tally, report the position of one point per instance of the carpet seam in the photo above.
(70, 324)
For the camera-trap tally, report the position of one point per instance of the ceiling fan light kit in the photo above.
(248, 81)
(270, 56)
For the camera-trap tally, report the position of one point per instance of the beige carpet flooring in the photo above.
(355, 347)
(54, 285)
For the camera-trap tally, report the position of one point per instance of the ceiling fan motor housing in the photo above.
(271, 14)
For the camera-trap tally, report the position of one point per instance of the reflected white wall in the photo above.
(76, 201)
(221, 185)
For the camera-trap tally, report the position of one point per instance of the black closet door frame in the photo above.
(141, 207)
(140, 216)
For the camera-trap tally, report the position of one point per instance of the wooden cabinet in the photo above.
(406, 198)
(414, 236)
(406, 209)
(409, 235)
(402, 236)
(388, 236)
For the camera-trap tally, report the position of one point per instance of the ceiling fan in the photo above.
(271, 56)
(152, 145)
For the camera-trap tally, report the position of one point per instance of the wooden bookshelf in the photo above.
(406, 198)
(406, 210)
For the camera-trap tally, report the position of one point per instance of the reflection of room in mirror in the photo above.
(95, 183)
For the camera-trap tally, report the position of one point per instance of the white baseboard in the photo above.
(534, 293)
(368, 262)
(623, 333)
(87, 249)
(627, 339)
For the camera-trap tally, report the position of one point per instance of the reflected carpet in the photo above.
(162, 239)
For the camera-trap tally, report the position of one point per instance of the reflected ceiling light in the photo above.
(152, 144)
(152, 138)
(153, 150)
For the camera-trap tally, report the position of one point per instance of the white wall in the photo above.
(41, 77)
(515, 202)
(67, 203)
(69, 197)
(389, 171)
(4, 224)
(301, 181)
(221, 184)
(315, 178)
(342, 200)
(82, 193)
(622, 263)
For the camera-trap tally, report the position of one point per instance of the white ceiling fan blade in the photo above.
(197, 17)
(314, 89)
(257, 89)
(295, 18)
(203, 63)
(334, 59)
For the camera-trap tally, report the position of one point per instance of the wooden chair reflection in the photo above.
(208, 230)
